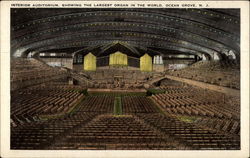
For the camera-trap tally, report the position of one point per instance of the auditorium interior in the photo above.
(125, 79)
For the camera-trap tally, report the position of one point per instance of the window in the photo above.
(75, 59)
(79, 58)
(231, 55)
(42, 54)
(158, 59)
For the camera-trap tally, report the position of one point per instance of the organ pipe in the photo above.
(118, 58)
(146, 63)
(89, 62)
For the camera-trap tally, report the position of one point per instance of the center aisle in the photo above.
(118, 106)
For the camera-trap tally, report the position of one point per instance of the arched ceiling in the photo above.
(162, 31)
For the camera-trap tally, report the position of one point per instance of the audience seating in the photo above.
(28, 72)
(141, 127)
(40, 135)
(108, 132)
(137, 104)
(220, 73)
(193, 101)
(190, 134)
(57, 116)
(98, 104)
(29, 104)
(228, 126)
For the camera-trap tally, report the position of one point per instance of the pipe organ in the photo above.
(146, 63)
(89, 62)
(118, 59)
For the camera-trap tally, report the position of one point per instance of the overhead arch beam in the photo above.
(217, 42)
(132, 49)
(139, 43)
(152, 41)
(184, 16)
(125, 35)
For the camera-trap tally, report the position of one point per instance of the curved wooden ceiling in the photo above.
(185, 31)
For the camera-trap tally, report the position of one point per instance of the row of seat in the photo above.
(137, 104)
(24, 63)
(118, 94)
(87, 130)
(109, 132)
(100, 82)
(193, 101)
(209, 110)
(30, 69)
(116, 85)
(29, 72)
(100, 104)
(167, 100)
(222, 125)
(218, 73)
(190, 134)
(42, 134)
(28, 105)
